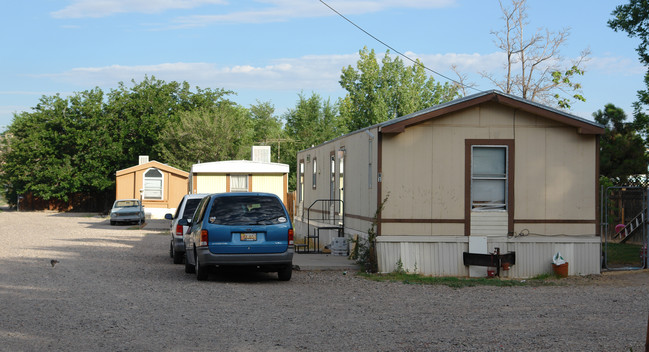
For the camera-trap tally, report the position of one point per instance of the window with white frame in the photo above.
(300, 181)
(153, 182)
(239, 183)
(315, 172)
(489, 177)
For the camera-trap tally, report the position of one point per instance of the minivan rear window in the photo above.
(247, 210)
(190, 207)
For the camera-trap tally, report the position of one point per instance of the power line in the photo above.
(395, 50)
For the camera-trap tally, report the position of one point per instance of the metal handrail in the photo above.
(325, 211)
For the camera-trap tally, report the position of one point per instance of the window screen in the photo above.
(152, 184)
(489, 178)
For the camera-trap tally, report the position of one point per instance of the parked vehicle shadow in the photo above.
(240, 275)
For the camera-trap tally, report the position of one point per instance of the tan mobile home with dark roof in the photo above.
(486, 171)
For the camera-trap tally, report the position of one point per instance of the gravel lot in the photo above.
(116, 289)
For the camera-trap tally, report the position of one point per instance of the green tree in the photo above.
(377, 92)
(311, 122)
(141, 112)
(633, 18)
(622, 151)
(73, 146)
(224, 132)
(267, 128)
(63, 147)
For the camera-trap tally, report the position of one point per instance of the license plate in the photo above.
(248, 236)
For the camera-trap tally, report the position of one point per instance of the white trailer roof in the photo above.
(240, 167)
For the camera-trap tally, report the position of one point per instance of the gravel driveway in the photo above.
(116, 289)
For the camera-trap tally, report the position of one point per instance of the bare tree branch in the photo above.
(542, 74)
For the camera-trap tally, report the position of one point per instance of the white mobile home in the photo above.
(486, 171)
(240, 176)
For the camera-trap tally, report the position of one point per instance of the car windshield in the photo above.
(190, 208)
(247, 210)
(126, 203)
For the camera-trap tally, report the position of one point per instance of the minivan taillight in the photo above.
(203, 238)
(290, 237)
(179, 230)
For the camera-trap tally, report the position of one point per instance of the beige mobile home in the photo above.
(486, 171)
(240, 176)
(160, 186)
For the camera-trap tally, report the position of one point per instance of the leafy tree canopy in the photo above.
(223, 132)
(377, 92)
(633, 18)
(622, 152)
(74, 145)
(312, 121)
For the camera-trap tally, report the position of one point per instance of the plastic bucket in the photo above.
(560, 270)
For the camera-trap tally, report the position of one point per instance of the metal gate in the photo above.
(624, 227)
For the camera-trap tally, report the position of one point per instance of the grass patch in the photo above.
(459, 282)
(623, 254)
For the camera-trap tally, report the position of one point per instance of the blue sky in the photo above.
(272, 50)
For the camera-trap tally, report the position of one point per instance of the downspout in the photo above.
(379, 171)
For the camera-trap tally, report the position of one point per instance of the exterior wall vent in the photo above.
(261, 153)
(143, 159)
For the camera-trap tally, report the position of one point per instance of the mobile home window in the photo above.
(369, 165)
(300, 180)
(153, 181)
(489, 178)
(239, 183)
(315, 172)
(332, 176)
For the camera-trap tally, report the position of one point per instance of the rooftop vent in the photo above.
(261, 153)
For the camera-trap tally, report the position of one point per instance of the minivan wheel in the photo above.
(178, 257)
(285, 273)
(201, 272)
(189, 269)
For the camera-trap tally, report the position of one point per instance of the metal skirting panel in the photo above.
(443, 255)
(534, 258)
(429, 258)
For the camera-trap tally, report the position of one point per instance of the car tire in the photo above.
(178, 257)
(201, 271)
(171, 248)
(285, 273)
(189, 269)
(112, 223)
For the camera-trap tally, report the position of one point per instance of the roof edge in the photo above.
(399, 125)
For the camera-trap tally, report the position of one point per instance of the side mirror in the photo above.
(169, 217)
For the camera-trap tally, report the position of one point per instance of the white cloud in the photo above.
(256, 11)
(615, 65)
(103, 8)
(283, 10)
(311, 72)
(307, 73)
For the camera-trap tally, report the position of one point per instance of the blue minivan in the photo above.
(240, 229)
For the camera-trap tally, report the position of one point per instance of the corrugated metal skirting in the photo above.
(442, 255)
